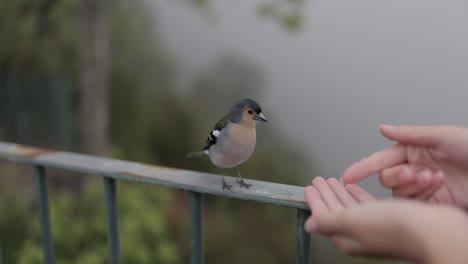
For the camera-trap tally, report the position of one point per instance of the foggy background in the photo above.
(353, 66)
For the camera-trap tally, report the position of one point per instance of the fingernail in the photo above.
(388, 127)
(310, 225)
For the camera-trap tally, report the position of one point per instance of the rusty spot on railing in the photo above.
(31, 152)
(129, 173)
(161, 168)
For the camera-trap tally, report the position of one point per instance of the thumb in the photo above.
(415, 135)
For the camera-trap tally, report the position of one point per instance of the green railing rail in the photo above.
(195, 182)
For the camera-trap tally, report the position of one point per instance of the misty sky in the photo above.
(353, 66)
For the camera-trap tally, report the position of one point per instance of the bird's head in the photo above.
(246, 112)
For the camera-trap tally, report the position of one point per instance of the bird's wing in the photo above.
(213, 136)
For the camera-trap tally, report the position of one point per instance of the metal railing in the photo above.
(196, 183)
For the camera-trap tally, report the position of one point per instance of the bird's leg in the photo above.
(225, 185)
(241, 181)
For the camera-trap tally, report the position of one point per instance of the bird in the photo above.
(232, 140)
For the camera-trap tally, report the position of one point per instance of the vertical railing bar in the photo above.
(303, 238)
(44, 215)
(110, 187)
(197, 250)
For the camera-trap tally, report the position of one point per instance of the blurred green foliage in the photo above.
(288, 13)
(38, 36)
(14, 215)
(79, 227)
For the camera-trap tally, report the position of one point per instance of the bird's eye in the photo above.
(250, 112)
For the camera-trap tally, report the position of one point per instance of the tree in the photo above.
(93, 76)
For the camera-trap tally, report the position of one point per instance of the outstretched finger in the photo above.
(375, 163)
(425, 136)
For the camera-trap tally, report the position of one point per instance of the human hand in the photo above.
(360, 225)
(428, 163)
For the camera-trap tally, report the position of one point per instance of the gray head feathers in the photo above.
(236, 112)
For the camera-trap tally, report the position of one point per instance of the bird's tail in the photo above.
(197, 153)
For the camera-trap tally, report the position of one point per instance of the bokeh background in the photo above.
(145, 80)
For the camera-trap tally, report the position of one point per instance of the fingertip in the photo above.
(312, 195)
(318, 180)
(392, 132)
(344, 179)
(357, 171)
(387, 130)
(310, 190)
(349, 175)
(385, 127)
(310, 225)
(333, 180)
(354, 173)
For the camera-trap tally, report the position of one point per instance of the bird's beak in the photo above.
(260, 117)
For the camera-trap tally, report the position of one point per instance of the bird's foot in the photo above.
(226, 186)
(242, 183)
